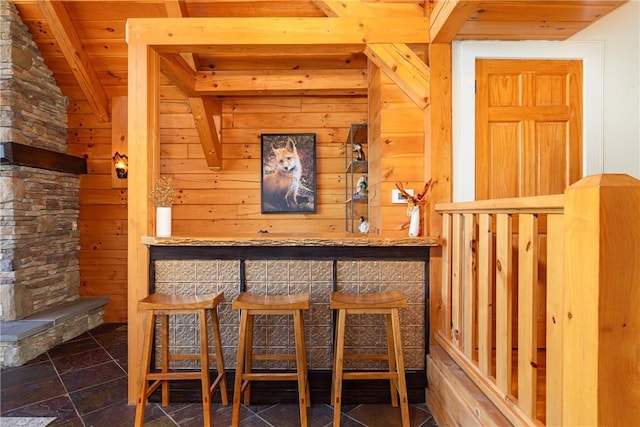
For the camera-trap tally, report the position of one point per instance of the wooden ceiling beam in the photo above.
(188, 33)
(247, 82)
(178, 9)
(205, 110)
(179, 72)
(397, 60)
(404, 68)
(358, 8)
(448, 16)
(70, 44)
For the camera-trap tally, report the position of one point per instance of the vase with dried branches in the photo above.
(162, 196)
(414, 204)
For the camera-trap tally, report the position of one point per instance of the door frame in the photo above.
(464, 55)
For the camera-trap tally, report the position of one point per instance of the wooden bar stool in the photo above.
(251, 305)
(163, 305)
(384, 303)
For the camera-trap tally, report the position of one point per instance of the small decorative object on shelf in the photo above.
(361, 188)
(364, 225)
(162, 197)
(414, 204)
(358, 152)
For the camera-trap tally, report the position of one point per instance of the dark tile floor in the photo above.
(83, 382)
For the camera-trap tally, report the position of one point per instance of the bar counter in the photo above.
(273, 263)
(281, 239)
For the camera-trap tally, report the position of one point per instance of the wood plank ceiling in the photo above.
(84, 42)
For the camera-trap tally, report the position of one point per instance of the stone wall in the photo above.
(38, 225)
(38, 208)
(33, 110)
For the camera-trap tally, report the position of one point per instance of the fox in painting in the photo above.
(280, 189)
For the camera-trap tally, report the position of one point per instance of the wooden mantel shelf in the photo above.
(279, 239)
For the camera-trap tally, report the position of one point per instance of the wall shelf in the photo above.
(356, 201)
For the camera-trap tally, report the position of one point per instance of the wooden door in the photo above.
(528, 127)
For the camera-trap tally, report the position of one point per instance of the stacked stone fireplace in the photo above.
(39, 204)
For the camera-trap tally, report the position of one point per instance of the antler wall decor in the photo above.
(413, 206)
(415, 200)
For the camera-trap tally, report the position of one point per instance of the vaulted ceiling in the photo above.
(84, 42)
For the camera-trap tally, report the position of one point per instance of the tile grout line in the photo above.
(75, 408)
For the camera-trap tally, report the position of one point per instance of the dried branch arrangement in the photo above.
(163, 192)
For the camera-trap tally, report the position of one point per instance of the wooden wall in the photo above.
(208, 203)
(396, 152)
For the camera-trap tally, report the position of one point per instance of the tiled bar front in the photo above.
(274, 277)
(286, 266)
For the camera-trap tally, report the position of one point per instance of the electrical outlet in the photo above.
(397, 197)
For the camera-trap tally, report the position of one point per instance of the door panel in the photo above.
(505, 152)
(528, 127)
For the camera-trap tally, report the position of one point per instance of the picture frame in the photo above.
(288, 173)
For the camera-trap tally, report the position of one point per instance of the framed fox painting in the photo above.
(288, 172)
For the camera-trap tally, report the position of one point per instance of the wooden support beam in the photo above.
(70, 44)
(184, 35)
(178, 9)
(335, 82)
(448, 16)
(392, 59)
(404, 67)
(205, 110)
(179, 72)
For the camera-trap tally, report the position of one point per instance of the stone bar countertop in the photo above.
(284, 239)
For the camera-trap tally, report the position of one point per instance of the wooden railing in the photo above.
(534, 291)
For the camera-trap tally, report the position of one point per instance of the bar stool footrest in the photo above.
(273, 357)
(369, 375)
(270, 377)
(376, 356)
(174, 376)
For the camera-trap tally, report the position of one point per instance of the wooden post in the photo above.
(144, 164)
(601, 311)
(438, 157)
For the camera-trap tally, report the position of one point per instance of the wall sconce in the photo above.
(121, 163)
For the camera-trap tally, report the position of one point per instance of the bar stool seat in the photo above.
(385, 303)
(163, 305)
(251, 305)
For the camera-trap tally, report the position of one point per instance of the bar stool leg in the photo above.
(248, 363)
(304, 360)
(164, 320)
(393, 383)
(300, 360)
(204, 368)
(402, 381)
(237, 388)
(145, 363)
(221, 380)
(337, 368)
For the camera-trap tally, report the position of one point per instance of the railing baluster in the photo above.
(527, 312)
(504, 304)
(470, 288)
(555, 299)
(456, 279)
(485, 295)
(445, 327)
